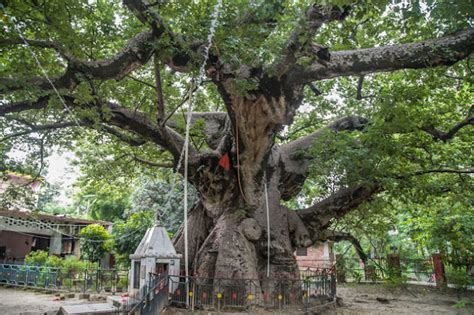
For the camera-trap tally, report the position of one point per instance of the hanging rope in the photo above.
(268, 222)
(238, 159)
(202, 70)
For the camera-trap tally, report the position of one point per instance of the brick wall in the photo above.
(317, 256)
(17, 245)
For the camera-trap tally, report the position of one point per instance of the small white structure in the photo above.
(154, 255)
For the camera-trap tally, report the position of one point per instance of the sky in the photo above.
(59, 171)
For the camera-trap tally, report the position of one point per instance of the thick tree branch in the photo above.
(139, 123)
(295, 159)
(215, 125)
(5, 42)
(147, 14)
(121, 117)
(136, 53)
(185, 50)
(150, 163)
(348, 123)
(132, 141)
(338, 204)
(41, 103)
(39, 128)
(300, 39)
(429, 53)
(338, 236)
(445, 136)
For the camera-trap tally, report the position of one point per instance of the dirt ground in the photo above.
(16, 301)
(379, 299)
(358, 299)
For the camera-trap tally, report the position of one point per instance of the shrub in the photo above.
(395, 279)
(73, 264)
(54, 261)
(37, 258)
(94, 243)
(459, 278)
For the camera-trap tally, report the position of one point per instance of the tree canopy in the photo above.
(352, 112)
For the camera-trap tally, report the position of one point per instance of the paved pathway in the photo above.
(16, 301)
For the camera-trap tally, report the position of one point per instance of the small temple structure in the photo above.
(154, 255)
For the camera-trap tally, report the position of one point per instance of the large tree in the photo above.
(125, 70)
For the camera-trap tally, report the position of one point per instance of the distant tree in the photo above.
(48, 197)
(108, 203)
(346, 99)
(95, 242)
(129, 233)
(110, 208)
(164, 200)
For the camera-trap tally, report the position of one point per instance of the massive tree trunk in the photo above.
(234, 201)
(236, 242)
(228, 226)
(232, 211)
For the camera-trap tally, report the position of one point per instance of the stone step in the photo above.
(85, 309)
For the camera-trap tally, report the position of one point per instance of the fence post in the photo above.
(85, 280)
(340, 270)
(305, 294)
(393, 261)
(97, 275)
(369, 272)
(438, 268)
(333, 286)
(192, 294)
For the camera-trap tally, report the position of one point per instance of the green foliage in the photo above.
(156, 195)
(73, 264)
(95, 242)
(37, 258)
(459, 278)
(128, 234)
(394, 278)
(462, 303)
(70, 264)
(102, 202)
(49, 203)
(396, 281)
(459, 304)
(430, 212)
(54, 261)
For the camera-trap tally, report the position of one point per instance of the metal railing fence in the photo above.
(241, 294)
(379, 269)
(63, 279)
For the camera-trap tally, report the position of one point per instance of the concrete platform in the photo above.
(88, 309)
(118, 301)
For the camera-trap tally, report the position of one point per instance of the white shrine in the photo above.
(154, 255)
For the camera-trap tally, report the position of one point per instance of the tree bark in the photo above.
(228, 226)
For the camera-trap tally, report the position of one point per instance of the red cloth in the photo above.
(224, 162)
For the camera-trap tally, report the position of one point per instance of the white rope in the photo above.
(43, 70)
(268, 222)
(201, 73)
(100, 154)
(73, 116)
(185, 150)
